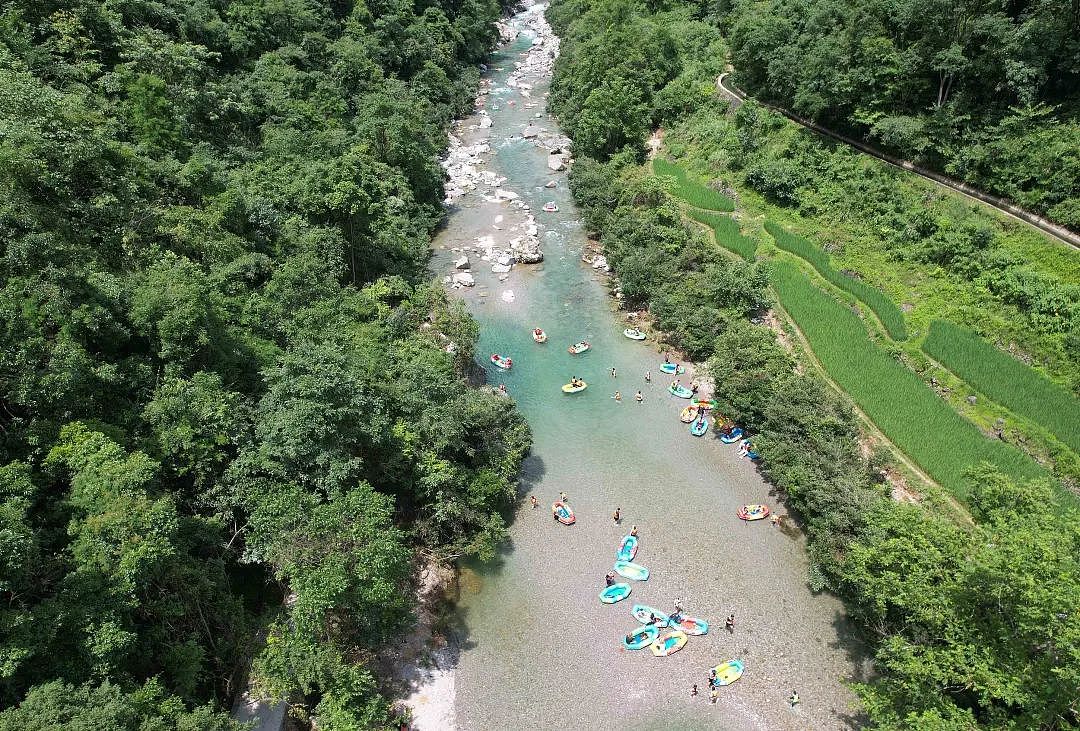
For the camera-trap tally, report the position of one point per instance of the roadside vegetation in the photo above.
(986, 93)
(224, 380)
(966, 629)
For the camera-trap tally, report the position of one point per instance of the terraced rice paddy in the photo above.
(691, 191)
(911, 415)
(885, 309)
(1006, 380)
(727, 233)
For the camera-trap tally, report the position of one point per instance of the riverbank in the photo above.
(530, 621)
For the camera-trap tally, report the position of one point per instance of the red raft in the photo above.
(562, 512)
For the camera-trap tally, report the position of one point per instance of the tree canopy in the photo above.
(223, 379)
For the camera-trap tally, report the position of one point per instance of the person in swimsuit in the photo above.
(535, 502)
(638, 397)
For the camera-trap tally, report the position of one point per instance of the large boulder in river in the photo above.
(531, 131)
(462, 263)
(556, 163)
(464, 279)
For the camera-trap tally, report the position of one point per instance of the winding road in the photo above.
(1051, 229)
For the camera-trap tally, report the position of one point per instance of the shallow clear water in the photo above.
(537, 646)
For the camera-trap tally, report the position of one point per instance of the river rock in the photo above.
(556, 163)
(462, 263)
(500, 268)
(530, 132)
(464, 279)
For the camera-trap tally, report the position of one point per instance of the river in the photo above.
(534, 645)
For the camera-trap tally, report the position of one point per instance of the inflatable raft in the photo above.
(571, 388)
(615, 593)
(752, 512)
(628, 549)
(680, 391)
(550, 207)
(641, 638)
(691, 625)
(578, 347)
(634, 334)
(539, 335)
(669, 644)
(688, 414)
(631, 570)
(672, 368)
(732, 436)
(563, 512)
(642, 612)
(501, 361)
(728, 672)
(699, 427)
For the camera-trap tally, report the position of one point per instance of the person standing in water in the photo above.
(648, 376)
(617, 396)
(638, 397)
(613, 375)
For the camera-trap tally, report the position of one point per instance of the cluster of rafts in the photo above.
(576, 385)
(679, 628)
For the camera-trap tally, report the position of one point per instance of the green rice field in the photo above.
(727, 233)
(1006, 380)
(691, 191)
(911, 415)
(886, 310)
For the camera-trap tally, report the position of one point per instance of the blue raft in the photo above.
(615, 593)
(641, 638)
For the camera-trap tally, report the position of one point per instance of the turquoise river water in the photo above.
(536, 647)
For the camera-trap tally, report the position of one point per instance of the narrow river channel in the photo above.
(536, 647)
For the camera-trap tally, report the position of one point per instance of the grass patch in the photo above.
(727, 233)
(691, 191)
(1006, 380)
(911, 415)
(886, 310)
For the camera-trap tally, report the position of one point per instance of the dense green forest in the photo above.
(972, 622)
(986, 92)
(224, 379)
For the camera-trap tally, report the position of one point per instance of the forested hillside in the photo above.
(967, 598)
(987, 92)
(223, 378)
